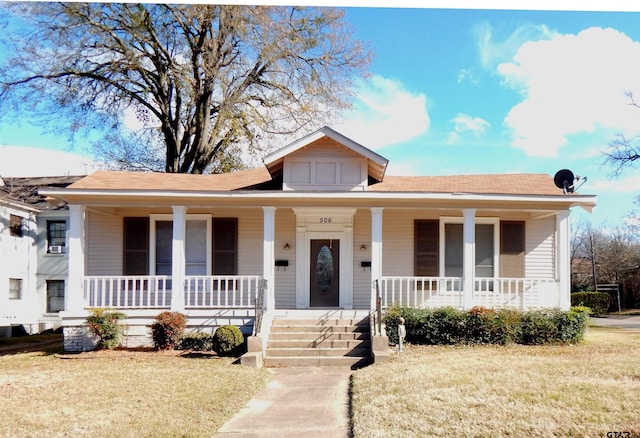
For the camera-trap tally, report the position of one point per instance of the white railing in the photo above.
(421, 291)
(518, 293)
(231, 291)
(154, 291)
(128, 291)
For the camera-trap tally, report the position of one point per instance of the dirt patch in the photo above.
(138, 352)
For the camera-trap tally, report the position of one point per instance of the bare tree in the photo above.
(201, 79)
(623, 150)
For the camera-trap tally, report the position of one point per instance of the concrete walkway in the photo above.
(619, 321)
(297, 402)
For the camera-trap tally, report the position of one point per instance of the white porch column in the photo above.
(178, 258)
(268, 255)
(563, 261)
(376, 250)
(469, 256)
(74, 302)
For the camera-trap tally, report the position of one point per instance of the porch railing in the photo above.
(232, 291)
(519, 293)
(128, 292)
(155, 291)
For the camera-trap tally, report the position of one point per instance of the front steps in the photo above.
(319, 342)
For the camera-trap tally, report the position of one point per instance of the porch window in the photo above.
(225, 246)
(55, 296)
(486, 255)
(195, 244)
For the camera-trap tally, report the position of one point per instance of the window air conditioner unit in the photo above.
(56, 249)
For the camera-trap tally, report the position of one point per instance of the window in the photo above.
(15, 288)
(225, 246)
(55, 296)
(486, 256)
(426, 248)
(56, 237)
(16, 225)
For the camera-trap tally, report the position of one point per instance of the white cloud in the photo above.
(385, 113)
(494, 51)
(16, 161)
(465, 123)
(572, 84)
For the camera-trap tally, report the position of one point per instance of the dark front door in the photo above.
(324, 274)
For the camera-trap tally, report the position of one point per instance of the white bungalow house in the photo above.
(320, 230)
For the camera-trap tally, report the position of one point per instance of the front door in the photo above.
(324, 275)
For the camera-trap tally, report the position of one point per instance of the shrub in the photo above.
(598, 302)
(105, 325)
(167, 329)
(196, 342)
(227, 339)
(480, 325)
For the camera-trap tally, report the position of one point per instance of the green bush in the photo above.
(167, 329)
(446, 326)
(196, 342)
(598, 302)
(227, 339)
(105, 325)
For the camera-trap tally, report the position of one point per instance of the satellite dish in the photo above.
(565, 179)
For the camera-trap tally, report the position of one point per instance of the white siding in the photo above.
(104, 242)
(361, 276)
(285, 287)
(250, 237)
(539, 248)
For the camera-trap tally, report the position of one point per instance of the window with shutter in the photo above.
(426, 234)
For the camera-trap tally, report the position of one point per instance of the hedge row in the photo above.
(448, 326)
(598, 302)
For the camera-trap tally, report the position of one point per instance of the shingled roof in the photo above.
(24, 190)
(255, 179)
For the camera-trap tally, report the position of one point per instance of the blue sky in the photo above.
(458, 91)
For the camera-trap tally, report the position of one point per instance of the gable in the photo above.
(325, 160)
(325, 165)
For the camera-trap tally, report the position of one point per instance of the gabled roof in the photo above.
(376, 163)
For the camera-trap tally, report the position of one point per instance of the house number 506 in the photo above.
(325, 220)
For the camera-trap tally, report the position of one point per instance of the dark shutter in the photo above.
(426, 234)
(225, 246)
(512, 249)
(136, 246)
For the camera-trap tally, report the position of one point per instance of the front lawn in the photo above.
(121, 393)
(584, 390)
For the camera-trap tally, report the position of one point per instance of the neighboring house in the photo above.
(320, 229)
(33, 272)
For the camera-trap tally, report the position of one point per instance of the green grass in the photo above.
(583, 390)
(123, 394)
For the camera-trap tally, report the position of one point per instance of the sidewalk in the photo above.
(297, 402)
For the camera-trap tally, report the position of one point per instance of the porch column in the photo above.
(268, 255)
(376, 251)
(469, 256)
(563, 268)
(74, 302)
(178, 258)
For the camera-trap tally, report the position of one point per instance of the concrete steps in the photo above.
(318, 342)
